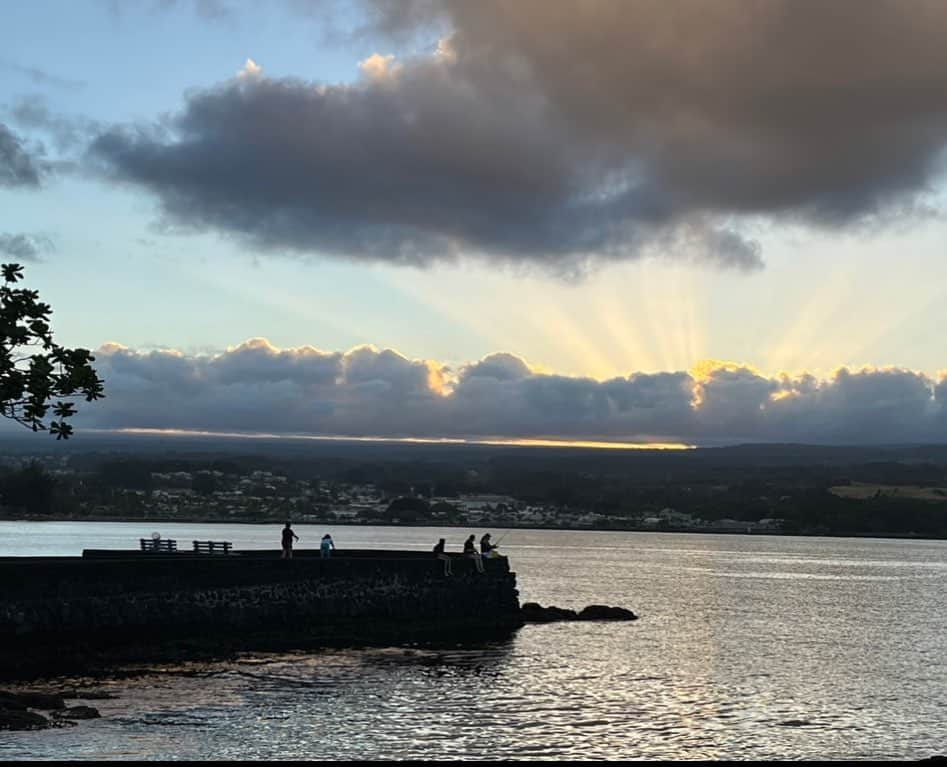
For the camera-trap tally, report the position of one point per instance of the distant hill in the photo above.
(607, 460)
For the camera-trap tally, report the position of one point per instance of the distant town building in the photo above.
(468, 503)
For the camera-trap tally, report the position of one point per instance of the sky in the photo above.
(594, 220)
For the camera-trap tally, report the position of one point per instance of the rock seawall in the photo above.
(73, 614)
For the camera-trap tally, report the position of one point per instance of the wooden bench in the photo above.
(165, 545)
(212, 547)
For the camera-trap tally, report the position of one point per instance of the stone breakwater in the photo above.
(60, 615)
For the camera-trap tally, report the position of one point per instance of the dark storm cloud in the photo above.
(364, 392)
(402, 169)
(24, 247)
(18, 168)
(829, 109)
(567, 133)
(889, 405)
(256, 387)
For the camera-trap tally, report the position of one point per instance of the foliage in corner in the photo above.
(34, 370)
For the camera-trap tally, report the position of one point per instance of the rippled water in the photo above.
(748, 647)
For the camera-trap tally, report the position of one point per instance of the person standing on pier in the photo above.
(288, 536)
(327, 545)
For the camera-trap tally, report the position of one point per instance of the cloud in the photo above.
(378, 67)
(392, 169)
(208, 10)
(24, 247)
(41, 77)
(18, 168)
(250, 69)
(68, 133)
(500, 367)
(370, 392)
(870, 405)
(565, 136)
(829, 111)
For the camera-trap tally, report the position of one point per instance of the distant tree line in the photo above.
(622, 490)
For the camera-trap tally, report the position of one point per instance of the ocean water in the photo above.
(747, 648)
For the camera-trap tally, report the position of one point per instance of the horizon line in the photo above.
(496, 441)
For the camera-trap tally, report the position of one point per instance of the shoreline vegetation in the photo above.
(881, 492)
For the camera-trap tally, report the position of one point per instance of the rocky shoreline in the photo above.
(20, 710)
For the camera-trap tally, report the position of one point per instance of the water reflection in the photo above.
(816, 649)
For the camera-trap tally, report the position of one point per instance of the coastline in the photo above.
(493, 525)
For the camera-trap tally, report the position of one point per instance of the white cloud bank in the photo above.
(369, 392)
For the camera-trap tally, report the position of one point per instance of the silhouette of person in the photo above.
(326, 545)
(470, 551)
(443, 555)
(288, 536)
(485, 546)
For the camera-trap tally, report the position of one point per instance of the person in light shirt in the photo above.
(327, 545)
(486, 547)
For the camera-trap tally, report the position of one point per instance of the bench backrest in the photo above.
(162, 544)
(212, 547)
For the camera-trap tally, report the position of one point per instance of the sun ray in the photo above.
(564, 329)
(794, 350)
(624, 330)
(279, 299)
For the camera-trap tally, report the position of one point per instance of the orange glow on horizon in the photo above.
(511, 442)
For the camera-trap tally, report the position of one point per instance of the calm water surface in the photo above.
(748, 647)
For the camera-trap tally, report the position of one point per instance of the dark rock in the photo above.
(88, 695)
(79, 712)
(604, 613)
(532, 612)
(795, 723)
(16, 719)
(42, 700)
(10, 700)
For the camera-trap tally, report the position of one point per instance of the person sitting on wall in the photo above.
(487, 548)
(439, 553)
(471, 552)
(327, 545)
(288, 536)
